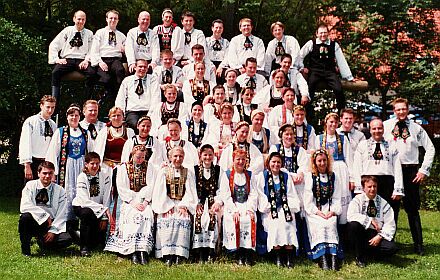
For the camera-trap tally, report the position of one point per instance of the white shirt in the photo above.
(187, 90)
(101, 46)
(291, 46)
(157, 129)
(365, 164)
(237, 53)
(297, 82)
(344, 69)
(357, 212)
(188, 71)
(98, 203)
(33, 143)
(176, 75)
(129, 100)
(197, 37)
(219, 55)
(62, 43)
(134, 51)
(260, 81)
(55, 208)
(409, 148)
(354, 138)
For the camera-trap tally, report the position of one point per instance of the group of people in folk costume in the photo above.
(186, 163)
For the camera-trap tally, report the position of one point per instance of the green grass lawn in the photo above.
(68, 265)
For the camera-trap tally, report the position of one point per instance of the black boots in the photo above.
(323, 263)
(415, 226)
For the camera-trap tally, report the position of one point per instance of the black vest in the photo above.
(322, 57)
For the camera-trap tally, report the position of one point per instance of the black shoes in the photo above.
(289, 260)
(26, 250)
(360, 262)
(85, 252)
(134, 258)
(143, 258)
(168, 260)
(419, 250)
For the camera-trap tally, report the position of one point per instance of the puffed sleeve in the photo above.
(252, 200)
(59, 220)
(292, 196)
(25, 146)
(309, 201)
(354, 212)
(189, 199)
(161, 203)
(263, 203)
(389, 225)
(53, 152)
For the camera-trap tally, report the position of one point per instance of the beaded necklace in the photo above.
(323, 194)
(197, 141)
(305, 135)
(272, 197)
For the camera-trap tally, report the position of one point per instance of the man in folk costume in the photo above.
(43, 212)
(192, 37)
(91, 204)
(70, 51)
(326, 62)
(217, 49)
(142, 43)
(371, 226)
(198, 56)
(137, 94)
(244, 46)
(380, 158)
(106, 54)
(408, 136)
(36, 134)
(354, 136)
(250, 77)
(175, 201)
(168, 73)
(90, 121)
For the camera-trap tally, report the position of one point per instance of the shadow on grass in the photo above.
(10, 205)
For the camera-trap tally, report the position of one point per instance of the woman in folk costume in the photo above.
(240, 197)
(198, 88)
(303, 132)
(339, 148)
(246, 105)
(109, 145)
(175, 200)
(91, 204)
(213, 103)
(295, 162)
(134, 231)
(322, 205)
(195, 129)
(66, 151)
(221, 132)
(272, 95)
(278, 203)
(254, 158)
(258, 135)
(232, 88)
(206, 220)
(282, 114)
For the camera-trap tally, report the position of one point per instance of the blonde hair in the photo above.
(313, 166)
(114, 109)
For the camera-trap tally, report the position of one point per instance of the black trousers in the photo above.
(359, 237)
(112, 78)
(411, 202)
(385, 188)
(132, 117)
(28, 228)
(72, 65)
(331, 78)
(90, 235)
